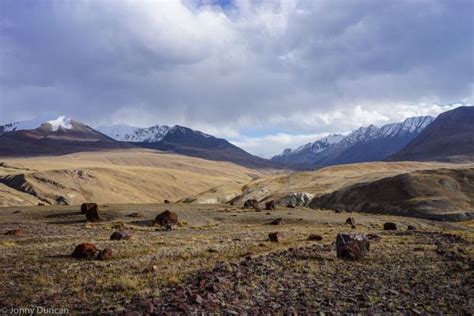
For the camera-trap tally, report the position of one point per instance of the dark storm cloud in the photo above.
(226, 67)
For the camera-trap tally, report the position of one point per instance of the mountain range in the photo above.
(365, 144)
(450, 135)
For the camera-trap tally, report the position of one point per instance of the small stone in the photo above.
(390, 226)
(105, 254)
(411, 227)
(275, 237)
(315, 237)
(120, 235)
(135, 214)
(277, 221)
(351, 221)
(197, 299)
(15, 232)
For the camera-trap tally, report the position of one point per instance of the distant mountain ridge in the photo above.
(62, 135)
(370, 143)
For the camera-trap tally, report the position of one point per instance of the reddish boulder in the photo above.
(352, 246)
(105, 254)
(390, 226)
(85, 251)
(166, 218)
(93, 215)
(315, 237)
(269, 206)
(86, 207)
(275, 237)
(120, 235)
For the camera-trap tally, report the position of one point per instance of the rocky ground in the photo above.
(219, 259)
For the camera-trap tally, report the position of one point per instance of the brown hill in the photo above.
(441, 194)
(449, 137)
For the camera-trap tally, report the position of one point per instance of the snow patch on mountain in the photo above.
(126, 133)
(62, 121)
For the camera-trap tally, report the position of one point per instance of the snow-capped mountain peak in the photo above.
(126, 133)
(55, 123)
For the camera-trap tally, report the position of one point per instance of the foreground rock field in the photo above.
(219, 259)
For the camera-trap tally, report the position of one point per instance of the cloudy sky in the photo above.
(264, 74)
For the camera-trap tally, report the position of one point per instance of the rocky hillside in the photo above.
(442, 194)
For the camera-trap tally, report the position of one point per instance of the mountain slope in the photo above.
(450, 136)
(308, 153)
(126, 133)
(440, 194)
(52, 137)
(365, 144)
(186, 141)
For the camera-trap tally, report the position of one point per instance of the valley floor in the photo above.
(219, 259)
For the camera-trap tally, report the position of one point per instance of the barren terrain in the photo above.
(223, 255)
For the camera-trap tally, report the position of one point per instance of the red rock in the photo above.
(275, 237)
(390, 226)
(352, 246)
(85, 251)
(86, 207)
(166, 218)
(120, 235)
(105, 254)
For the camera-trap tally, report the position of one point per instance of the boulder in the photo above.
(85, 251)
(120, 235)
(105, 254)
(351, 221)
(93, 215)
(275, 237)
(166, 218)
(270, 205)
(390, 226)
(85, 207)
(167, 201)
(277, 221)
(297, 199)
(251, 203)
(352, 246)
(315, 237)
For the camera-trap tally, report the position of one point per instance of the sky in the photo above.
(266, 75)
